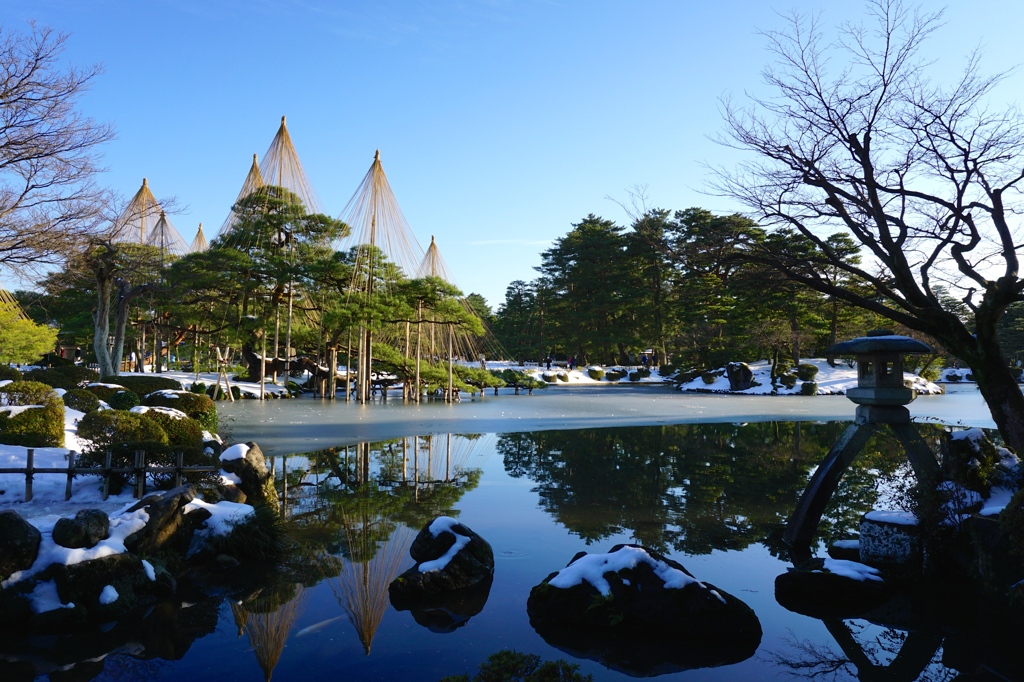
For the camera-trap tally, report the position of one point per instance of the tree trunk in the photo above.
(101, 320)
(1000, 390)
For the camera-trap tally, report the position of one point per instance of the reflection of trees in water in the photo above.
(691, 487)
(267, 621)
(867, 652)
(374, 548)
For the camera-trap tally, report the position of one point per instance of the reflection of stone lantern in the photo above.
(881, 398)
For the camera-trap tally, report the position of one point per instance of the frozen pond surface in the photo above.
(286, 426)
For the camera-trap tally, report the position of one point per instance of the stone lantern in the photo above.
(880, 393)
(881, 399)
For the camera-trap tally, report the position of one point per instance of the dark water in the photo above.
(714, 497)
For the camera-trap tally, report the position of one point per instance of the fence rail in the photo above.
(140, 470)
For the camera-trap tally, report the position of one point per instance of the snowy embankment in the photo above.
(830, 380)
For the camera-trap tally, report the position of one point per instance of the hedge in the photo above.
(81, 400)
(124, 400)
(105, 393)
(51, 377)
(808, 388)
(80, 375)
(107, 428)
(36, 428)
(199, 407)
(181, 431)
(806, 371)
(595, 373)
(8, 373)
(145, 384)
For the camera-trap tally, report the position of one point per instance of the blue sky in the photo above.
(499, 123)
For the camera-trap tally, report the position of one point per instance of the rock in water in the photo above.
(85, 530)
(449, 556)
(638, 611)
(165, 518)
(831, 588)
(19, 543)
(251, 468)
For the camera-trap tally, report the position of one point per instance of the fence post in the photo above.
(71, 474)
(177, 470)
(106, 475)
(140, 474)
(29, 465)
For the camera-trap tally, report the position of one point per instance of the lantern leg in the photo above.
(926, 468)
(807, 515)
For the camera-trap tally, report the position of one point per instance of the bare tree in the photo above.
(925, 177)
(48, 151)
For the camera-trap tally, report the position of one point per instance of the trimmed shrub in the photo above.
(969, 377)
(108, 428)
(105, 393)
(8, 373)
(639, 374)
(145, 384)
(805, 371)
(183, 432)
(50, 377)
(688, 376)
(81, 400)
(614, 374)
(709, 377)
(788, 380)
(53, 360)
(595, 373)
(953, 376)
(667, 369)
(36, 428)
(123, 400)
(80, 375)
(930, 374)
(199, 387)
(199, 407)
(562, 376)
(808, 388)
(1015, 372)
(782, 367)
(548, 377)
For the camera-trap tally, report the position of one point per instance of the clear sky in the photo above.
(499, 122)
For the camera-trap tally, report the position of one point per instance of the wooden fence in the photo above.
(139, 470)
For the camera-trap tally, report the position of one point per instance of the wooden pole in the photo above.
(419, 336)
(177, 469)
(71, 475)
(30, 460)
(106, 475)
(451, 383)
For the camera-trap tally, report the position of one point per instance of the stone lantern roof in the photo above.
(880, 372)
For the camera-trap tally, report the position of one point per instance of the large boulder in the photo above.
(740, 376)
(640, 612)
(449, 556)
(447, 611)
(165, 519)
(86, 529)
(19, 543)
(246, 461)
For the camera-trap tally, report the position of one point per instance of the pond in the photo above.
(712, 496)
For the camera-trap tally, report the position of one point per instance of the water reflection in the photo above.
(268, 621)
(693, 488)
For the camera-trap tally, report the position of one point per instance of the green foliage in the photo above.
(639, 374)
(953, 376)
(970, 462)
(123, 400)
(32, 428)
(107, 428)
(512, 666)
(709, 377)
(105, 393)
(51, 377)
(182, 432)
(221, 393)
(806, 371)
(562, 376)
(595, 373)
(808, 388)
(144, 384)
(788, 380)
(21, 340)
(39, 427)
(80, 375)
(930, 374)
(519, 380)
(614, 374)
(199, 407)
(478, 378)
(8, 373)
(81, 400)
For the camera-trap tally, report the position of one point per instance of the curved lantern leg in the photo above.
(804, 521)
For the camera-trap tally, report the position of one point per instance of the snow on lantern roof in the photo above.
(879, 341)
